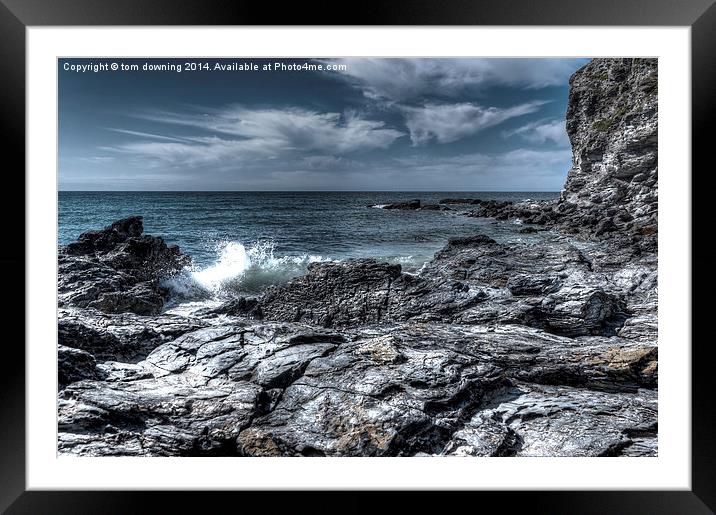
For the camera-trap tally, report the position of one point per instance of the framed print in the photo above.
(429, 250)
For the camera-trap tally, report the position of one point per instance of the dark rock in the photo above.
(409, 205)
(117, 269)
(74, 365)
(434, 207)
(106, 239)
(126, 337)
(242, 306)
(528, 230)
(351, 292)
(460, 201)
(605, 226)
(469, 241)
(531, 420)
(613, 128)
(533, 285)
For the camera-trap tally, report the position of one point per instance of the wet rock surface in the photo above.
(491, 349)
(117, 269)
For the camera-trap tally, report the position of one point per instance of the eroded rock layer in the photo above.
(612, 188)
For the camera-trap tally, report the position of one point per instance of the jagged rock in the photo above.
(165, 416)
(117, 269)
(290, 389)
(242, 306)
(410, 204)
(409, 367)
(106, 239)
(74, 365)
(126, 337)
(494, 209)
(187, 397)
(374, 396)
(526, 284)
(612, 123)
(342, 293)
(534, 420)
(472, 280)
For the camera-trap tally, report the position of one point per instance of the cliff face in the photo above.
(611, 191)
(612, 123)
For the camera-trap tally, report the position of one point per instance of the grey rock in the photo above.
(612, 123)
(165, 416)
(410, 389)
(117, 269)
(460, 201)
(74, 365)
(535, 420)
(124, 337)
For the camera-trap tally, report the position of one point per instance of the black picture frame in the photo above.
(16, 15)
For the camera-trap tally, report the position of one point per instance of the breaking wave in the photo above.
(239, 269)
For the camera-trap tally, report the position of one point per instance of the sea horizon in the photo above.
(242, 242)
(309, 191)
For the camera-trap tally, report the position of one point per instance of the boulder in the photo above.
(117, 269)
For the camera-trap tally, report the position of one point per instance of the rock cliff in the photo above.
(611, 190)
(612, 123)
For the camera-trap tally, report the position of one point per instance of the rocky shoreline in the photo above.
(539, 349)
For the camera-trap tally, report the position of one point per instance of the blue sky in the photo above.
(376, 124)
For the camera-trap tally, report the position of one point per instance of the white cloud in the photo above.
(259, 133)
(97, 159)
(450, 122)
(542, 131)
(404, 79)
(144, 134)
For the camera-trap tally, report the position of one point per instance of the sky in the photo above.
(369, 124)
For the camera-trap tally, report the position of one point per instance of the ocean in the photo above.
(242, 242)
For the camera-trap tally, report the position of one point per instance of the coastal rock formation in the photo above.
(412, 205)
(612, 124)
(546, 348)
(467, 201)
(612, 188)
(475, 280)
(117, 269)
(520, 356)
(241, 388)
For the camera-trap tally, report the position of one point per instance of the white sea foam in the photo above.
(232, 263)
(240, 269)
